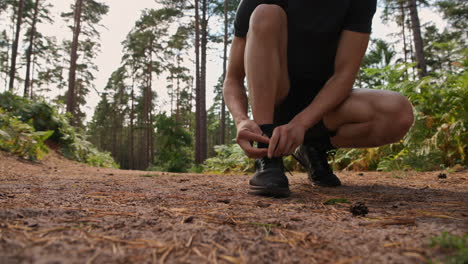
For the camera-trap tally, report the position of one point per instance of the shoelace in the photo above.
(263, 164)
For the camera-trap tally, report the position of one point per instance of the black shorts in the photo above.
(302, 91)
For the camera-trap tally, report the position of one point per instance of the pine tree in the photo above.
(19, 20)
(399, 10)
(86, 15)
(40, 13)
(223, 106)
(417, 37)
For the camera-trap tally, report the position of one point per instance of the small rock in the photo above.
(183, 189)
(442, 176)
(188, 220)
(360, 174)
(31, 224)
(262, 204)
(359, 209)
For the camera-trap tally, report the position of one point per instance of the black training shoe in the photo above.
(269, 178)
(316, 164)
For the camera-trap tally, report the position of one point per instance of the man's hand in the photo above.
(247, 132)
(286, 139)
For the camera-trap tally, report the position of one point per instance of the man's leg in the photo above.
(265, 64)
(266, 61)
(370, 118)
(367, 118)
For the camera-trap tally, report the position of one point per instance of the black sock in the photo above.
(267, 130)
(320, 136)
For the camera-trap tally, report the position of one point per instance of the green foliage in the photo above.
(39, 121)
(336, 201)
(229, 158)
(458, 245)
(21, 138)
(173, 146)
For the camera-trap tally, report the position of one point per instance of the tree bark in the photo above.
(14, 52)
(417, 37)
(198, 157)
(223, 106)
(71, 98)
(132, 117)
(148, 112)
(204, 42)
(403, 31)
(27, 82)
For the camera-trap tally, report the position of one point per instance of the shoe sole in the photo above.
(321, 184)
(270, 192)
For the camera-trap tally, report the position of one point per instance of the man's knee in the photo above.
(403, 114)
(267, 19)
(399, 119)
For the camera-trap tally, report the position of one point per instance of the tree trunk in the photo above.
(411, 49)
(403, 31)
(71, 99)
(223, 106)
(27, 82)
(177, 113)
(14, 52)
(132, 117)
(198, 144)
(403, 34)
(145, 123)
(33, 70)
(418, 42)
(204, 42)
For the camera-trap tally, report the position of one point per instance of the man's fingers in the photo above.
(253, 152)
(250, 136)
(273, 143)
(282, 146)
(291, 149)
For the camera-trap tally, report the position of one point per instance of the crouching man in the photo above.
(301, 59)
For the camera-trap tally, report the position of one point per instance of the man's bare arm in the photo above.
(234, 90)
(351, 49)
(236, 100)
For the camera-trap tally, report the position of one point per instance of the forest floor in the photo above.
(59, 211)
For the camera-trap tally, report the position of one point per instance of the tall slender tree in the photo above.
(29, 53)
(223, 107)
(14, 52)
(398, 10)
(417, 37)
(85, 19)
(198, 94)
(71, 98)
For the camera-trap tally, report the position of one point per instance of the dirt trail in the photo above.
(64, 212)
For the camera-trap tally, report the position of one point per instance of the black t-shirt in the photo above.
(314, 28)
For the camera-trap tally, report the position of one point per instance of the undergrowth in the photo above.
(455, 246)
(25, 126)
(21, 138)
